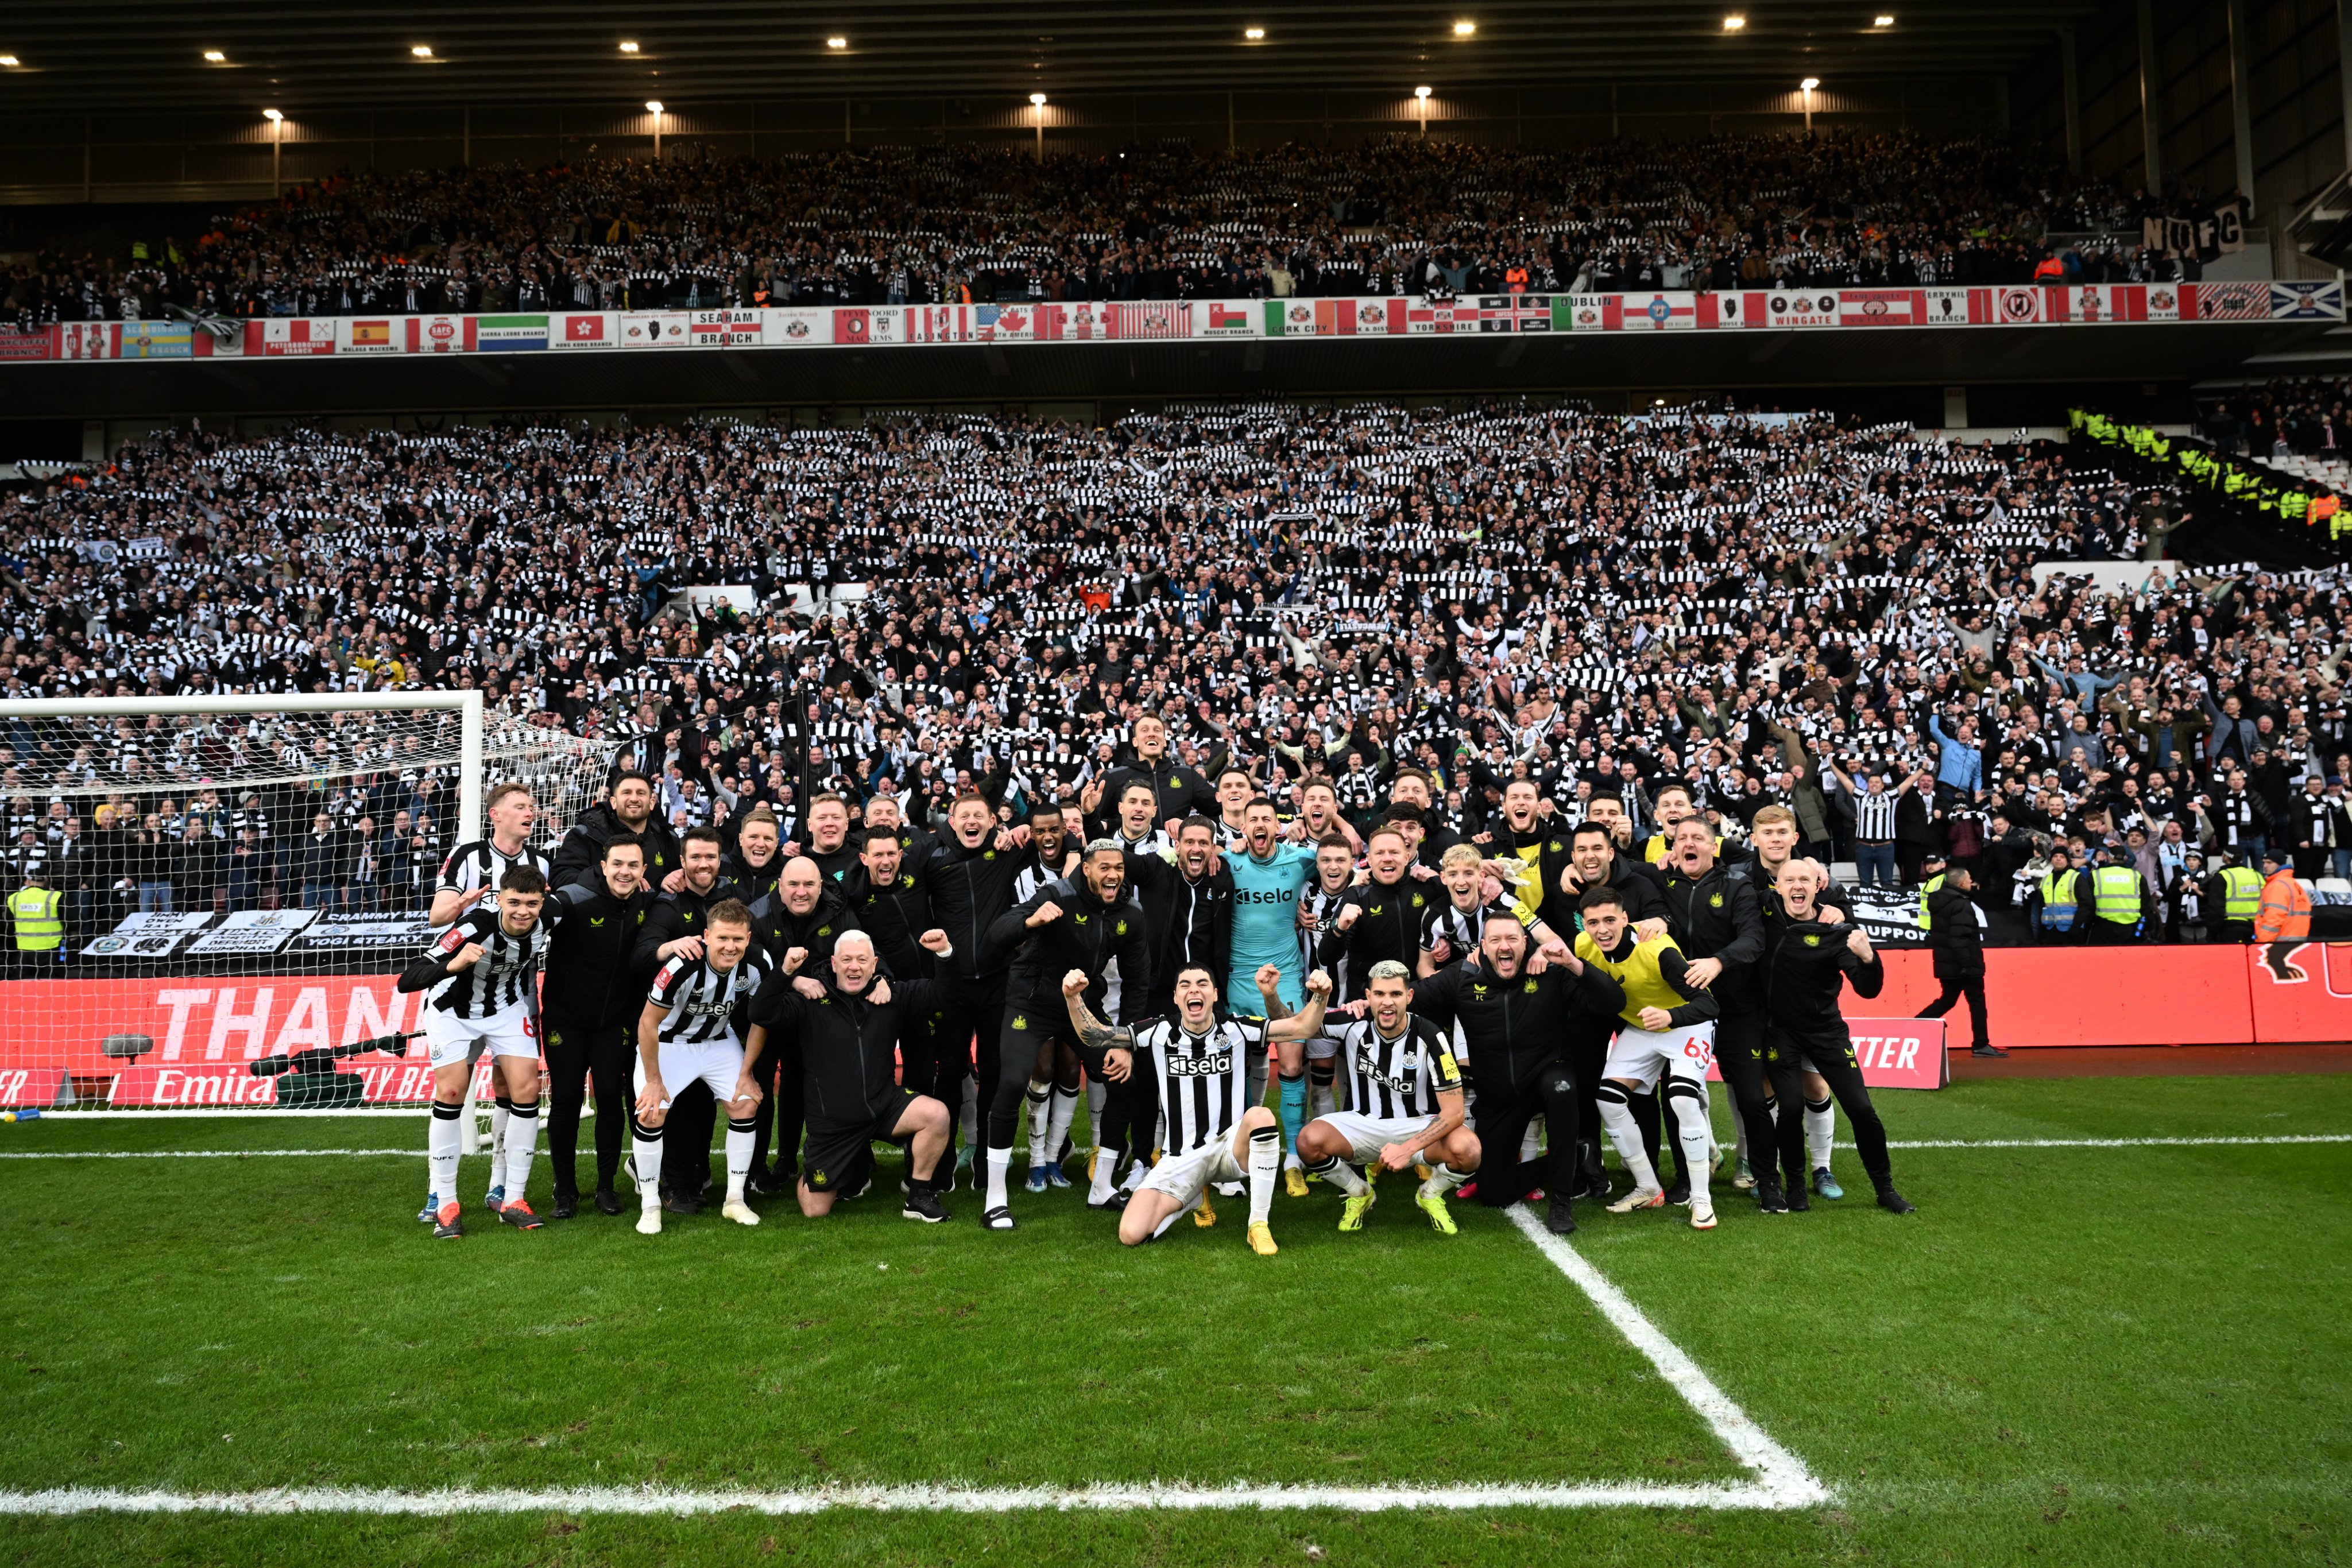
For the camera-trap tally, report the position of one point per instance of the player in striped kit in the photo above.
(469, 876)
(1405, 1099)
(1200, 1059)
(481, 976)
(691, 1031)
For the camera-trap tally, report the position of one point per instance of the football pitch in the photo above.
(2115, 1332)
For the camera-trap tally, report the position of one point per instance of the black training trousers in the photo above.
(969, 1009)
(575, 1053)
(1787, 1058)
(1588, 1056)
(1739, 1054)
(1541, 1085)
(1955, 987)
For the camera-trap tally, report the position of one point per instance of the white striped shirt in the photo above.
(1873, 819)
(502, 976)
(1203, 1079)
(480, 865)
(1398, 1078)
(702, 1000)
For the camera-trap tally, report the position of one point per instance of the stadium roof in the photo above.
(365, 54)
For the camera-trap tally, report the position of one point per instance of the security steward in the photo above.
(591, 999)
(1714, 916)
(2241, 895)
(1515, 1026)
(36, 921)
(2053, 909)
(2122, 906)
(797, 925)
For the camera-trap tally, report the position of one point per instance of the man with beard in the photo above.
(1513, 1023)
(628, 807)
(969, 879)
(1594, 861)
(1188, 919)
(591, 999)
(1714, 917)
(796, 926)
(1053, 1097)
(1084, 923)
(889, 907)
(1177, 791)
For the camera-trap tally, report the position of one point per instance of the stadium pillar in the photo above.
(2242, 102)
(2151, 142)
(2073, 97)
(2343, 61)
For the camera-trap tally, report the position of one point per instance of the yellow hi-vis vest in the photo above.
(2058, 900)
(1927, 887)
(33, 910)
(1646, 986)
(2241, 893)
(2115, 894)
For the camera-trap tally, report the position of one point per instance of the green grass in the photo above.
(2105, 1355)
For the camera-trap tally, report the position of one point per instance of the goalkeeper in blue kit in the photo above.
(1268, 875)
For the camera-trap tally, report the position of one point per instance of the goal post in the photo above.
(211, 897)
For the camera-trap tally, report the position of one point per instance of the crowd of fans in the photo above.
(1401, 217)
(1762, 609)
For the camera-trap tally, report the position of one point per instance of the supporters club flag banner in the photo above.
(582, 331)
(510, 334)
(1893, 1053)
(292, 337)
(440, 334)
(361, 335)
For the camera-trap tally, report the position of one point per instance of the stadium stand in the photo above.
(1766, 608)
(904, 225)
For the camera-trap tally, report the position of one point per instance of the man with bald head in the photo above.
(798, 926)
(842, 1021)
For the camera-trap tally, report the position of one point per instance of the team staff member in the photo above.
(969, 880)
(796, 927)
(1958, 942)
(891, 908)
(628, 807)
(828, 846)
(1084, 923)
(751, 870)
(1177, 791)
(845, 1022)
(591, 999)
(1187, 918)
(1541, 849)
(675, 928)
(1806, 963)
(1714, 917)
(1514, 1025)
(1772, 836)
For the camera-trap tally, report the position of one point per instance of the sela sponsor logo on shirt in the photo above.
(1201, 1066)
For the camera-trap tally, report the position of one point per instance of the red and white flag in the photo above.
(434, 335)
(585, 332)
(296, 335)
(1881, 308)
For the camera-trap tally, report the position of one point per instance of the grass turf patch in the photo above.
(2082, 1355)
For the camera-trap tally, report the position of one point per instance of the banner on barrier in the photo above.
(1893, 1053)
(195, 1020)
(384, 1081)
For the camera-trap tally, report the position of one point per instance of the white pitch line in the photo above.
(2119, 1143)
(1176, 1497)
(1781, 1474)
(186, 1153)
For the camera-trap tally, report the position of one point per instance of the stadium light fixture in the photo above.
(1038, 99)
(654, 107)
(272, 116)
(217, 56)
(1465, 29)
(1037, 102)
(1255, 34)
(628, 45)
(422, 51)
(10, 60)
(836, 43)
(1733, 22)
(1810, 83)
(1881, 21)
(1420, 108)
(1421, 93)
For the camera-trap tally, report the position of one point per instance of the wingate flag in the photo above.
(510, 334)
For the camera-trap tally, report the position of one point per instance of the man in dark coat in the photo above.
(1958, 942)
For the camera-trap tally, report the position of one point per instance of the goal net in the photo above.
(210, 898)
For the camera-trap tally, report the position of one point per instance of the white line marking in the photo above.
(1175, 1497)
(187, 1154)
(272, 1113)
(1781, 1474)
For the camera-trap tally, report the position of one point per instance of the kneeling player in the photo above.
(689, 1032)
(1405, 1091)
(482, 973)
(1200, 1061)
(1669, 1033)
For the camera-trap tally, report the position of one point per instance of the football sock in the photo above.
(1821, 1130)
(1342, 1175)
(1695, 1131)
(521, 1141)
(1321, 1099)
(1739, 1136)
(1617, 1118)
(1057, 1122)
(1264, 1160)
(1442, 1178)
(446, 1137)
(999, 1162)
(1530, 1150)
(1106, 1164)
(1643, 1108)
(1162, 1229)
(501, 1111)
(968, 1115)
(1293, 1095)
(1041, 1106)
(1096, 1094)
(1138, 1172)
(740, 1136)
(647, 1143)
